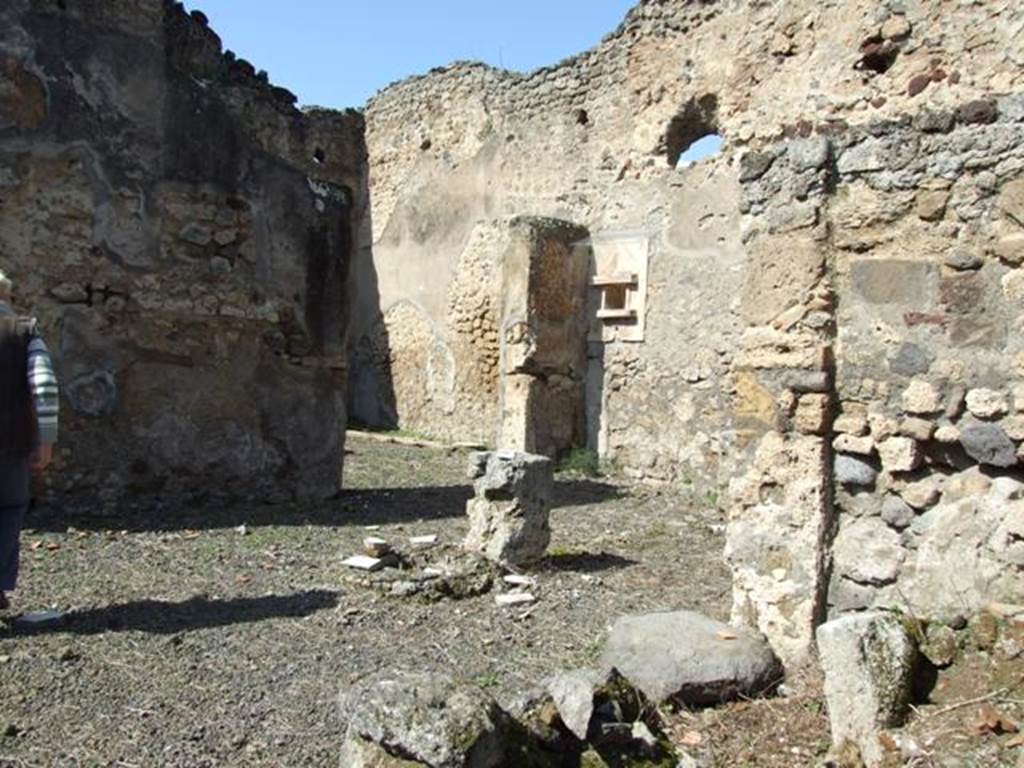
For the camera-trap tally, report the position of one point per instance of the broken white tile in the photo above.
(433, 572)
(423, 541)
(516, 580)
(364, 562)
(41, 617)
(514, 598)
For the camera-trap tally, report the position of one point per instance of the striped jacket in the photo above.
(42, 384)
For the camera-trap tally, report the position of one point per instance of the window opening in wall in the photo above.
(618, 285)
(616, 296)
(702, 148)
(697, 120)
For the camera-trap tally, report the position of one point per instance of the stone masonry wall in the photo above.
(833, 311)
(184, 235)
(896, 376)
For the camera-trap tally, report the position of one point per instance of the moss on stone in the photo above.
(627, 757)
(891, 673)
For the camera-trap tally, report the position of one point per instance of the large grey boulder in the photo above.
(509, 514)
(868, 659)
(423, 718)
(686, 657)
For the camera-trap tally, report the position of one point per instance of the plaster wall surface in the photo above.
(184, 235)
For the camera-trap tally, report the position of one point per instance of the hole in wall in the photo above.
(878, 56)
(319, 157)
(702, 148)
(582, 118)
(697, 120)
(426, 144)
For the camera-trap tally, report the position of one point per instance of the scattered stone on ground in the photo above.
(518, 580)
(282, 594)
(612, 722)
(376, 547)
(572, 692)
(868, 659)
(442, 572)
(363, 562)
(688, 658)
(425, 719)
(514, 598)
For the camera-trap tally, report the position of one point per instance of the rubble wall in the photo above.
(184, 235)
(833, 315)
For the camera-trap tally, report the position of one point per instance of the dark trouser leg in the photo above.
(11, 518)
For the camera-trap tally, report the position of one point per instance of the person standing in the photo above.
(28, 426)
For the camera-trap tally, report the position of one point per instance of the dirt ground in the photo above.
(206, 633)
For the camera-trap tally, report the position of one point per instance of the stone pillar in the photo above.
(781, 523)
(777, 542)
(869, 661)
(543, 337)
(508, 518)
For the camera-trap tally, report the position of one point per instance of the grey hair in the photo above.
(5, 286)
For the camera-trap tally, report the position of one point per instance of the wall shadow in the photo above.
(203, 511)
(160, 617)
(581, 492)
(371, 397)
(585, 562)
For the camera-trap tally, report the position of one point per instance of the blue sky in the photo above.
(337, 53)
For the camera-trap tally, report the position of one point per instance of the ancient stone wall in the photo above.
(465, 145)
(831, 306)
(184, 234)
(891, 382)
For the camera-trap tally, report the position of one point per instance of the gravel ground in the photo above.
(207, 633)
